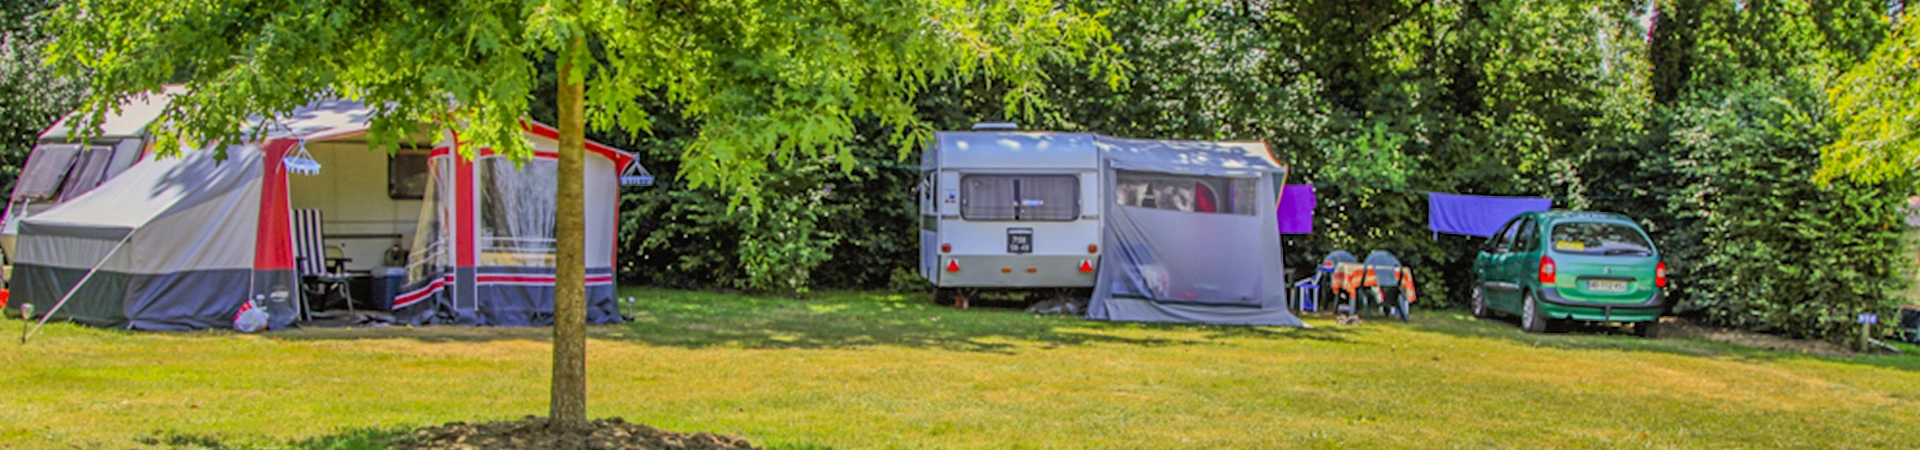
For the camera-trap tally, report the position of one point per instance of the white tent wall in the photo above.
(602, 188)
(357, 212)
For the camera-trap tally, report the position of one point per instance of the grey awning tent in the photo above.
(178, 237)
(1190, 234)
(183, 242)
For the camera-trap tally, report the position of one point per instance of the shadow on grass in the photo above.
(361, 439)
(1603, 337)
(840, 320)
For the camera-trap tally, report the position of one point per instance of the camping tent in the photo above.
(1209, 255)
(183, 243)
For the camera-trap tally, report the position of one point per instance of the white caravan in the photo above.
(1009, 209)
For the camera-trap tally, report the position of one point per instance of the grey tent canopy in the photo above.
(1190, 234)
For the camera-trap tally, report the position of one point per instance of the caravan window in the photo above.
(1214, 195)
(407, 174)
(1020, 197)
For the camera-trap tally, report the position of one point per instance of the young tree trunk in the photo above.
(569, 402)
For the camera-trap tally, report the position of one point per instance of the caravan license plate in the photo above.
(1607, 285)
(1020, 240)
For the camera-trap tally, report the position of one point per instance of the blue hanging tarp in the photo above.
(1477, 215)
(1296, 209)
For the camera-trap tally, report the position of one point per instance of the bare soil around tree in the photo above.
(533, 433)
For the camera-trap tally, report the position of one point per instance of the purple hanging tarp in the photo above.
(1476, 215)
(1296, 209)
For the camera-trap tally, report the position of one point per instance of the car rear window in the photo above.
(1600, 238)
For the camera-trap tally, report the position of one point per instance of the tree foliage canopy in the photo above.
(1875, 105)
(32, 97)
(772, 80)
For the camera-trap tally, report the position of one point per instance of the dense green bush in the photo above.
(1762, 246)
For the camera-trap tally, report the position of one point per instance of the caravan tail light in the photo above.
(946, 248)
(1660, 275)
(953, 265)
(1093, 248)
(1549, 272)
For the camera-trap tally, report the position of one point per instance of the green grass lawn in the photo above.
(875, 370)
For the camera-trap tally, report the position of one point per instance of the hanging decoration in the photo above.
(301, 162)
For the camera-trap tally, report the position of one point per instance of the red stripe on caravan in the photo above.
(273, 249)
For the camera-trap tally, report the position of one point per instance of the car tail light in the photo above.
(1548, 270)
(953, 265)
(1660, 274)
(946, 248)
(1093, 248)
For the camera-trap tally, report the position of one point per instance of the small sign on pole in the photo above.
(1869, 319)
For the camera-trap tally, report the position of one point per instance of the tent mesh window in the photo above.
(1184, 193)
(516, 212)
(1020, 197)
(431, 254)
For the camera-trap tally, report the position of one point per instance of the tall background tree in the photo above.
(32, 97)
(770, 83)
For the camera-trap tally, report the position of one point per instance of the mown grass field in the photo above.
(878, 370)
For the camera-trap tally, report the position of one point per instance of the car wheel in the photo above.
(1478, 304)
(1649, 329)
(1531, 319)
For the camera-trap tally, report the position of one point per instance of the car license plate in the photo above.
(1607, 285)
(1020, 240)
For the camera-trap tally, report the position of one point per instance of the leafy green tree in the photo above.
(31, 96)
(778, 81)
(1874, 103)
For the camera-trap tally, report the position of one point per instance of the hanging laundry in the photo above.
(1296, 209)
(1477, 215)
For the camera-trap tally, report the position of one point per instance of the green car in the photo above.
(1579, 266)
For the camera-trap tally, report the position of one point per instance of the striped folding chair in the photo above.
(322, 271)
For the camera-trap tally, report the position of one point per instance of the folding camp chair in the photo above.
(1306, 291)
(322, 268)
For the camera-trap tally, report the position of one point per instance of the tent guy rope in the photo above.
(76, 287)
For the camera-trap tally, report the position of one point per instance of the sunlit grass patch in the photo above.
(857, 370)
